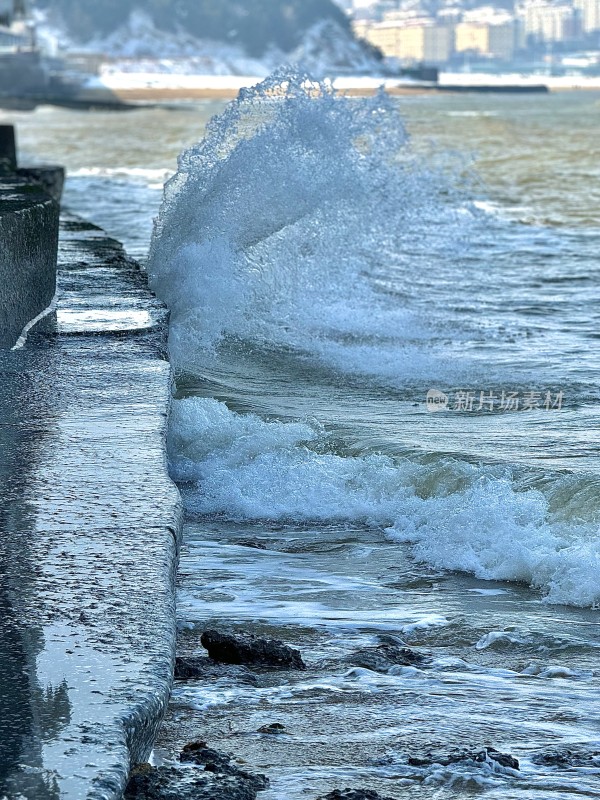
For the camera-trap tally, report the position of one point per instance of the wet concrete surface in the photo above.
(89, 532)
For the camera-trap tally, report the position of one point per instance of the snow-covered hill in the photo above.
(325, 49)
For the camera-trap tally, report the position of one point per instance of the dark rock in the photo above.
(187, 669)
(200, 753)
(274, 728)
(220, 764)
(485, 755)
(394, 641)
(385, 656)
(429, 758)
(257, 544)
(353, 794)
(568, 756)
(249, 649)
(504, 759)
(172, 783)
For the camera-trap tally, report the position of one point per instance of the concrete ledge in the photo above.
(50, 178)
(28, 247)
(89, 533)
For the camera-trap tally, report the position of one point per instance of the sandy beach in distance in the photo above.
(156, 87)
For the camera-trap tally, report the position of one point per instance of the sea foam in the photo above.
(455, 516)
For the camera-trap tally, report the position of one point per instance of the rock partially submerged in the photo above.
(248, 649)
(220, 764)
(487, 755)
(254, 543)
(574, 755)
(353, 794)
(273, 729)
(383, 657)
(172, 783)
(202, 668)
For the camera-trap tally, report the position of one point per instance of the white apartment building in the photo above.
(415, 39)
(488, 33)
(590, 14)
(546, 22)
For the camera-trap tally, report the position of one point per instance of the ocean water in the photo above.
(323, 276)
(330, 264)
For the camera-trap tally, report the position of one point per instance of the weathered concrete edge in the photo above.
(29, 220)
(146, 717)
(140, 702)
(142, 720)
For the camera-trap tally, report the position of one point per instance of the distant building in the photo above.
(544, 22)
(590, 14)
(494, 38)
(415, 39)
(16, 33)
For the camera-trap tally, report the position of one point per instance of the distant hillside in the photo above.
(255, 25)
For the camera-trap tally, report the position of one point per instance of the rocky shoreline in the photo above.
(195, 770)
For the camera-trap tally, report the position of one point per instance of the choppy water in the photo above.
(328, 262)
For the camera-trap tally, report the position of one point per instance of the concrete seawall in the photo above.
(28, 248)
(89, 529)
(29, 213)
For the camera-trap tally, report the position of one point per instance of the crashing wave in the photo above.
(276, 236)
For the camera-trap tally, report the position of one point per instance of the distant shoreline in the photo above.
(156, 87)
(122, 90)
